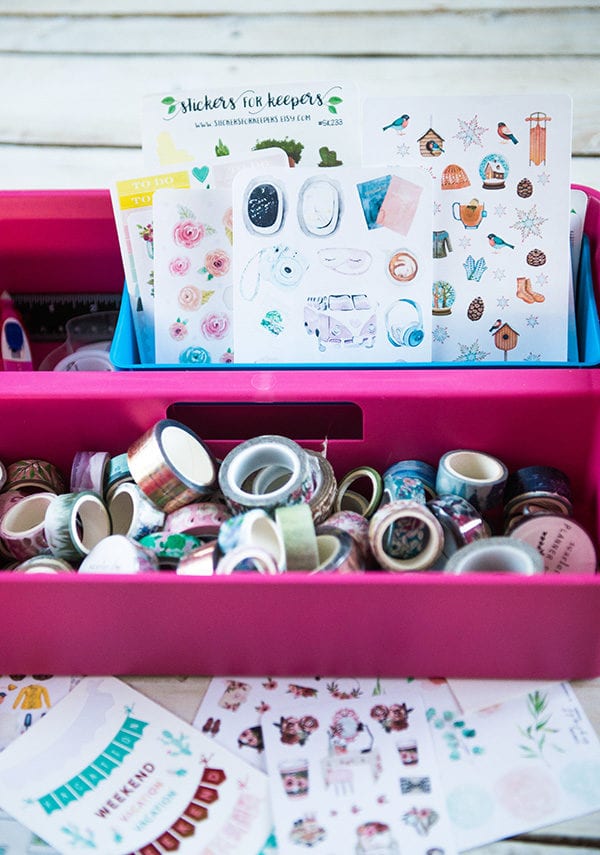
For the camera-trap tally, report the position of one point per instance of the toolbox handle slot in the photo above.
(244, 420)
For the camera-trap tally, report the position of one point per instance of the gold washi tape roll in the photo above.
(420, 533)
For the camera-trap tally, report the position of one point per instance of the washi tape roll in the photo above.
(22, 527)
(299, 537)
(545, 485)
(242, 463)
(359, 475)
(357, 526)
(496, 555)
(201, 519)
(3, 475)
(170, 548)
(45, 564)
(172, 465)
(413, 480)
(117, 472)
(75, 523)
(477, 477)
(337, 552)
(243, 556)
(323, 499)
(7, 500)
(417, 523)
(563, 544)
(200, 562)
(254, 528)
(119, 554)
(132, 513)
(461, 522)
(32, 475)
(88, 471)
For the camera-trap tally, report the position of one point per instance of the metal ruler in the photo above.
(45, 315)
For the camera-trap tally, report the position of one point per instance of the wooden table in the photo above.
(73, 76)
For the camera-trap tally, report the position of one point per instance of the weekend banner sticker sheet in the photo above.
(315, 123)
(332, 266)
(500, 243)
(113, 772)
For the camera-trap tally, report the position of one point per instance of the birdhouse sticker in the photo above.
(537, 137)
(505, 338)
(431, 144)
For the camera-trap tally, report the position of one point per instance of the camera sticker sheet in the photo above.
(500, 165)
(332, 266)
(355, 775)
(315, 124)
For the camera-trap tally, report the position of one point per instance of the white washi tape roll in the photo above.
(496, 555)
(75, 523)
(119, 554)
(262, 561)
(22, 527)
(132, 513)
(254, 528)
(416, 519)
(477, 477)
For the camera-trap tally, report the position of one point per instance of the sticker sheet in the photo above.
(333, 266)
(111, 771)
(500, 241)
(132, 206)
(315, 124)
(24, 700)
(355, 775)
(516, 766)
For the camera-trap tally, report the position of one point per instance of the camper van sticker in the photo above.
(501, 190)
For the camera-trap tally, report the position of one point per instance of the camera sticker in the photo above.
(298, 299)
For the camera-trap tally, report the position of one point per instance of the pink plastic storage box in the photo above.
(423, 624)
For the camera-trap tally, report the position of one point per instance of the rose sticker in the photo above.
(216, 263)
(190, 298)
(178, 330)
(215, 325)
(188, 233)
(179, 266)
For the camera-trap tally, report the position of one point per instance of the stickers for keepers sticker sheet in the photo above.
(332, 266)
(316, 124)
(500, 240)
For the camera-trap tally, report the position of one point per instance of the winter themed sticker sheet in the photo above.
(112, 771)
(500, 243)
(510, 768)
(332, 266)
(315, 124)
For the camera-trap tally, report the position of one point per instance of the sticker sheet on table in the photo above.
(501, 172)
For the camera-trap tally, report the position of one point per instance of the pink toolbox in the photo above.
(422, 624)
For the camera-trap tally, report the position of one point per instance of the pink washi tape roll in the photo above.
(202, 519)
(31, 475)
(172, 465)
(88, 471)
(7, 500)
(23, 525)
(563, 544)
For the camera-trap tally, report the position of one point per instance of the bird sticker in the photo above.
(400, 124)
(505, 134)
(497, 242)
(433, 147)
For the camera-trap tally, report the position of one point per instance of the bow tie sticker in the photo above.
(411, 785)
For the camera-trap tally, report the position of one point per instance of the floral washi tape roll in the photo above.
(132, 513)
(255, 529)
(337, 552)
(172, 465)
(261, 561)
(496, 555)
(417, 521)
(537, 490)
(246, 460)
(322, 501)
(461, 522)
(75, 523)
(88, 471)
(202, 519)
(409, 479)
(33, 475)
(170, 548)
(477, 477)
(22, 527)
(117, 472)
(119, 554)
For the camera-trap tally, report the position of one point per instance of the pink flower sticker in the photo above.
(189, 298)
(217, 263)
(179, 266)
(188, 233)
(215, 326)
(178, 330)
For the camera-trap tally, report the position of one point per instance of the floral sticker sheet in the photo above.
(501, 288)
(193, 295)
(315, 124)
(332, 266)
(114, 772)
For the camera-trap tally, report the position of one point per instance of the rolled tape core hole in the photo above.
(264, 534)
(25, 517)
(91, 524)
(406, 538)
(496, 559)
(187, 455)
(250, 463)
(327, 549)
(474, 466)
(121, 512)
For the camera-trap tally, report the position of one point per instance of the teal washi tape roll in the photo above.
(75, 523)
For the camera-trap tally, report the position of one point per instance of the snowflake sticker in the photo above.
(500, 211)
(541, 279)
(533, 357)
(528, 223)
(440, 334)
(502, 302)
(403, 150)
(532, 321)
(499, 274)
(543, 178)
(471, 352)
(465, 242)
(470, 133)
